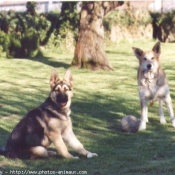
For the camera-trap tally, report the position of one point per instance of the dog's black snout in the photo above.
(149, 66)
(62, 98)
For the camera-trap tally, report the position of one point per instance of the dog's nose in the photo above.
(62, 98)
(149, 66)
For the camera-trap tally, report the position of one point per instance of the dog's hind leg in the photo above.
(169, 105)
(40, 151)
(161, 114)
(51, 153)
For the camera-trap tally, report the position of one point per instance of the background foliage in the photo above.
(164, 24)
(127, 18)
(21, 33)
(24, 34)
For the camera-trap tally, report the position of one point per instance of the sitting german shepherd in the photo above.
(153, 85)
(46, 124)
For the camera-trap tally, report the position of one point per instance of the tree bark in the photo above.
(89, 50)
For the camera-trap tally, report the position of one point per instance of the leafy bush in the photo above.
(30, 42)
(14, 46)
(164, 18)
(31, 7)
(126, 18)
(4, 40)
(164, 25)
(21, 33)
(62, 25)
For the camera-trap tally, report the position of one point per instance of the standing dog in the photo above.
(46, 124)
(152, 84)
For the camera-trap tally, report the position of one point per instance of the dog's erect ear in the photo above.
(138, 52)
(54, 78)
(68, 78)
(156, 49)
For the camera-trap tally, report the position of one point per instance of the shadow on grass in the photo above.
(49, 61)
(119, 53)
(3, 136)
(96, 117)
(20, 102)
(170, 71)
(100, 115)
(98, 110)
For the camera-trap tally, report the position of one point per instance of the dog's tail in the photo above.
(3, 151)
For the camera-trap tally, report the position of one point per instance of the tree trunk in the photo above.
(89, 51)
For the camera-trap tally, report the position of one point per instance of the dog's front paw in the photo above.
(162, 121)
(90, 155)
(173, 122)
(142, 126)
(75, 157)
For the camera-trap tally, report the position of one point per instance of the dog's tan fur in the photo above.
(58, 130)
(46, 124)
(152, 83)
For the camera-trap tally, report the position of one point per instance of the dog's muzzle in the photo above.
(62, 99)
(149, 66)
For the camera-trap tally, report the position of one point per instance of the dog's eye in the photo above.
(66, 89)
(152, 58)
(144, 58)
(57, 90)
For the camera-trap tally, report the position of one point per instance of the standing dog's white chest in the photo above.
(148, 90)
(148, 86)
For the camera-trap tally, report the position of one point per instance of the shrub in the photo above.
(164, 26)
(126, 18)
(21, 33)
(4, 40)
(62, 25)
(30, 43)
(14, 46)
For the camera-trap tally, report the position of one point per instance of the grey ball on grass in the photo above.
(129, 123)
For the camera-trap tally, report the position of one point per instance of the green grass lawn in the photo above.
(101, 99)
